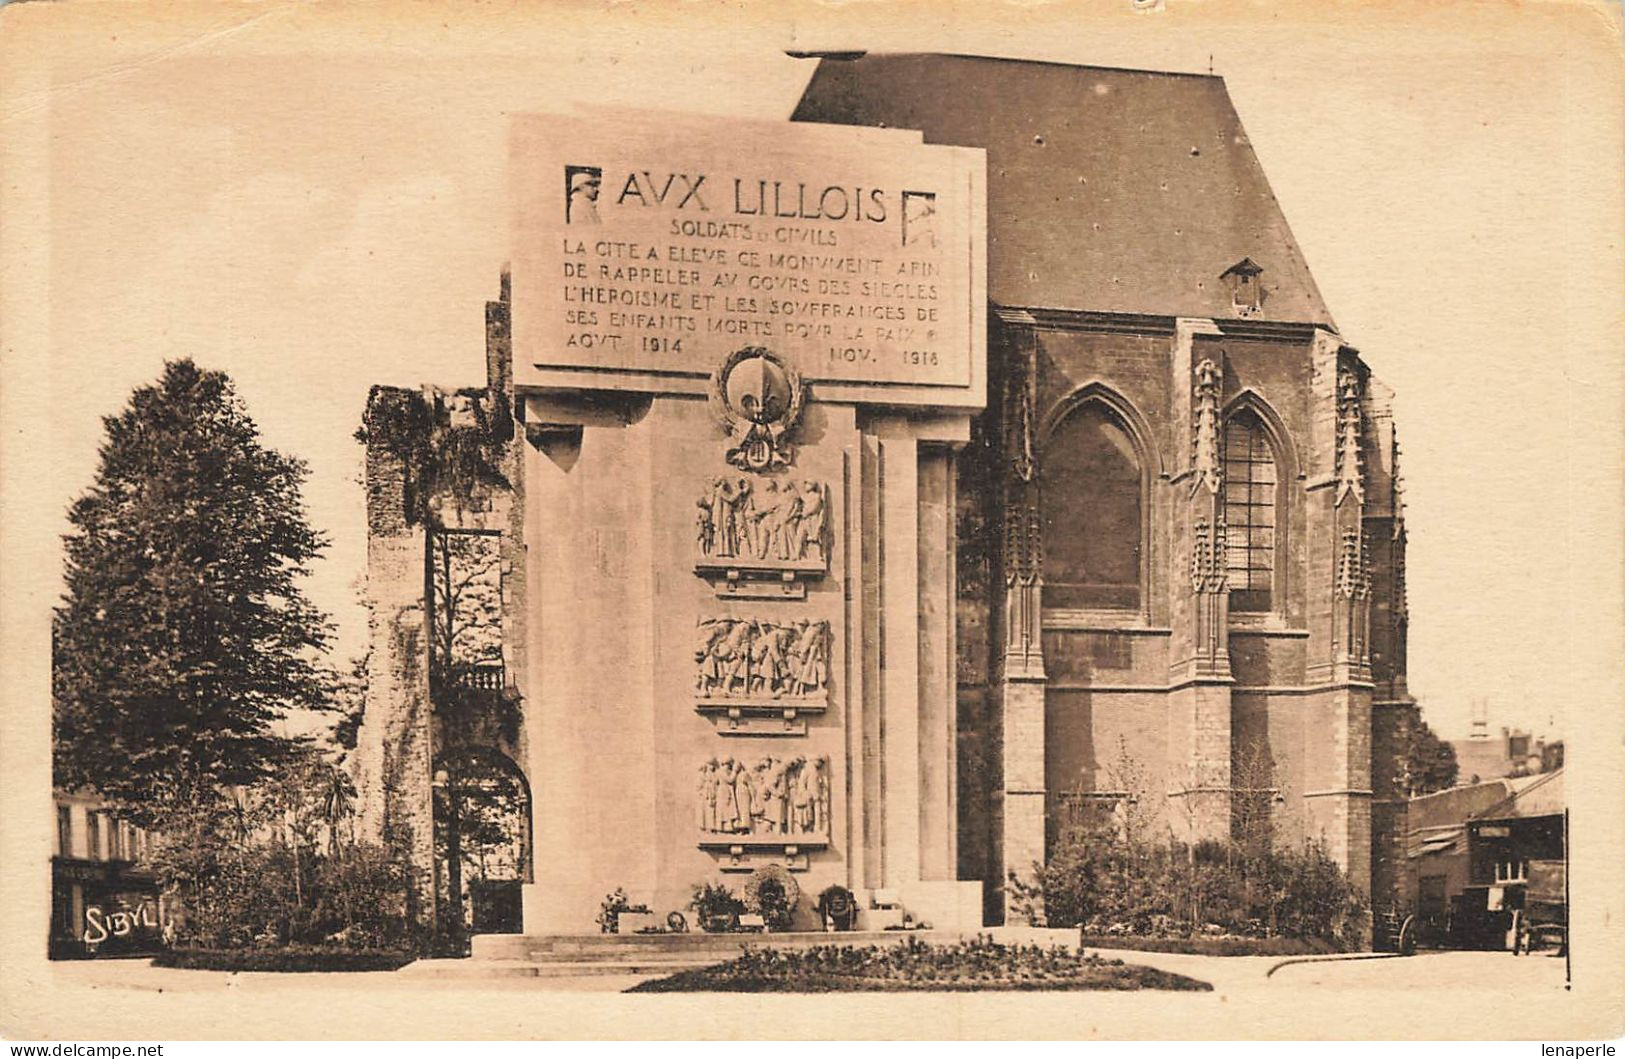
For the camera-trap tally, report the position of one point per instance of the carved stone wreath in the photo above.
(757, 398)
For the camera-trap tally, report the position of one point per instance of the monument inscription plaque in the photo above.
(752, 348)
(645, 254)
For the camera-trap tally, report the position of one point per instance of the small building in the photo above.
(1514, 752)
(104, 897)
(1479, 857)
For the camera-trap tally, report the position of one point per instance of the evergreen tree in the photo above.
(184, 634)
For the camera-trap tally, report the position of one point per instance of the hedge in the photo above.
(1200, 946)
(292, 958)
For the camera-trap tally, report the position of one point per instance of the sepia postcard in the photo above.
(816, 521)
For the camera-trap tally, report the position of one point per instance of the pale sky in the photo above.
(315, 223)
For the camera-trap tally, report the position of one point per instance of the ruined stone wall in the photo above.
(402, 734)
(393, 753)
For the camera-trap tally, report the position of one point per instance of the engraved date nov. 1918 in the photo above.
(868, 355)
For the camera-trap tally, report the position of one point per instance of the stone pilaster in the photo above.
(1391, 725)
(1349, 659)
(1021, 687)
(909, 707)
(938, 701)
(1393, 712)
(1338, 731)
(1199, 722)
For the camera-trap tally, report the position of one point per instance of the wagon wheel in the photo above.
(1407, 937)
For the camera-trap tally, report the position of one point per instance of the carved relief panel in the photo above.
(774, 807)
(750, 530)
(747, 668)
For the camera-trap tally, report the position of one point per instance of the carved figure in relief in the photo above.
(770, 789)
(707, 790)
(705, 526)
(764, 520)
(727, 806)
(758, 802)
(729, 499)
(744, 797)
(582, 184)
(786, 523)
(733, 656)
(769, 649)
(810, 526)
(811, 667)
(805, 797)
(708, 675)
(821, 795)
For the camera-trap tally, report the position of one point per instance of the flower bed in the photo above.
(291, 958)
(977, 964)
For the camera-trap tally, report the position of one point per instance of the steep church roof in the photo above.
(1109, 190)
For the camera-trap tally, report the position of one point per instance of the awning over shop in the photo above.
(1437, 841)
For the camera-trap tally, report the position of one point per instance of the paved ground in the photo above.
(1335, 999)
(1516, 975)
(1228, 974)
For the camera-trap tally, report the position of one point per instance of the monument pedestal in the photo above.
(849, 781)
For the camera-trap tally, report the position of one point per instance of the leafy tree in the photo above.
(1429, 764)
(350, 703)
(184, 635)
(480, 809)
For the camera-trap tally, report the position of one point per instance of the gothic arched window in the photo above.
(1250, 513)
(1092, 506)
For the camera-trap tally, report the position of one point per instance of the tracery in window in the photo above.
(1251, 486)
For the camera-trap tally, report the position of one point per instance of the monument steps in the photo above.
(592, 955)
(710, 947)
(481, 969)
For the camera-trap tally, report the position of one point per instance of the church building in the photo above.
(1160, 557)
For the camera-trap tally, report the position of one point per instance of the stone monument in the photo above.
(743, 357)
(764, 602)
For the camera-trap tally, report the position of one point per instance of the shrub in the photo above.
(361, 899)
(1111, 887)
(267, 895)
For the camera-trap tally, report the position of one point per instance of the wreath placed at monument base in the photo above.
(838, 908)
(773, 893)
